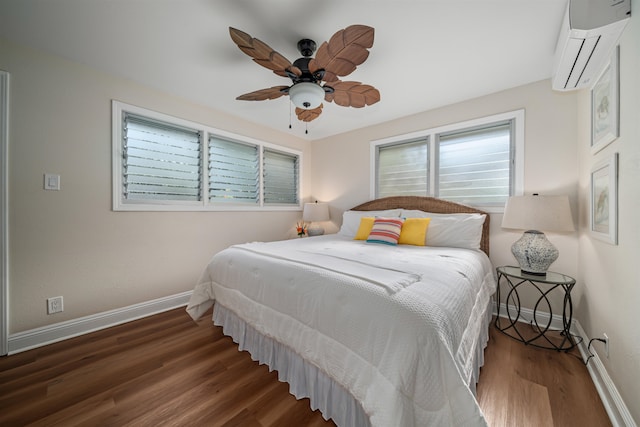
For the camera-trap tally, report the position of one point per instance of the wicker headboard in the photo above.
(428, 204)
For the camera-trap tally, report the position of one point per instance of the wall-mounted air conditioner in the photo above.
(590, 30)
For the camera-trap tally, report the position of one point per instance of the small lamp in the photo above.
(315, 212)
(536, 214)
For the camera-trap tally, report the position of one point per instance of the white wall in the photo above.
(608, 274)
(70, 242)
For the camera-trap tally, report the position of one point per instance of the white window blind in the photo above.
(474, 166)
(403, 169)
(161, 161)
(233, 171)
(166, 163)
(280, 172)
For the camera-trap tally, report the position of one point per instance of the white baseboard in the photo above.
(616, 408)
(49, 334)
(526, 316)
(614, 405)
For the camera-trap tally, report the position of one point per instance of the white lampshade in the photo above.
(542, 213)
(306, 95)
(535, 214)
(315, 212)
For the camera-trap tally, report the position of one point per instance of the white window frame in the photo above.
(518, 117)
(120, 204)
(4, 213)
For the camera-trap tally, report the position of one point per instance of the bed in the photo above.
(374, 334)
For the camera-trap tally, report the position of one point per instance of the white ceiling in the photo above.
(426, 54)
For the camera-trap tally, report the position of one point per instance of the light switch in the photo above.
(51, 181)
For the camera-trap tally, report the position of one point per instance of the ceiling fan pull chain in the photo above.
(289, 114)
(306, 127)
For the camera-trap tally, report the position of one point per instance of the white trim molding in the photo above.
(614, 405)
(4, 212)
(49, 334)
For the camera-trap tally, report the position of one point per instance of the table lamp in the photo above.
(537, 214)
(314, 213)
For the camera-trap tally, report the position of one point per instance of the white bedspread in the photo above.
(396, 326)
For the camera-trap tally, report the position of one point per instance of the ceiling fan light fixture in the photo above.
(306, 95)
(338, 57)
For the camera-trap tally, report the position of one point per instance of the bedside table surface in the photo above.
(551, 277)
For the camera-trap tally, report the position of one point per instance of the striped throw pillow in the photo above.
(386, 231)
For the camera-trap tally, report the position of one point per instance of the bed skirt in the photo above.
(304, 379)
(478, 361)
(307, 381)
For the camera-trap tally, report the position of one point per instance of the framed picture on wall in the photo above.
(605, 104)
(604, 200)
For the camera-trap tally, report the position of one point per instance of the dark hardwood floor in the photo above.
(167, 370)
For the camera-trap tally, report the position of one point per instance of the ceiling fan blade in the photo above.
(345, 50)
(308, 115)
(262, 53)
(263, 94)
(352, 94)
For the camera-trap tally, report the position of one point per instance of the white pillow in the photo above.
(464, 232)
(456, 230)
(351, 220)
(415, 213)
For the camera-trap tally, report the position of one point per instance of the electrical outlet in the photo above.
(54, 305)
(606, 345)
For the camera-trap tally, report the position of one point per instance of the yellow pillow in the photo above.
(414, 231)
(366, 224)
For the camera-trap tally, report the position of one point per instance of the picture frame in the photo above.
(604, 200)
(605, 105)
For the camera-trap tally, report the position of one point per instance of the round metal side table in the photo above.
(509, 318)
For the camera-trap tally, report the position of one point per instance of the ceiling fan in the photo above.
(336, 58)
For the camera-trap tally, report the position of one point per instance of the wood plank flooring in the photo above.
(167, 370)
(526, 386)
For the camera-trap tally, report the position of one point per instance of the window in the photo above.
(164, 163)
(403, 169)
(160, 161)
(280, 177)
(233, 172)
(479, 162)
(474, 165)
